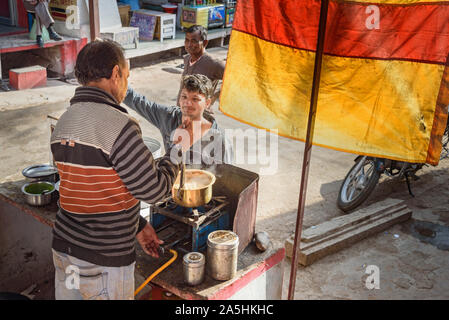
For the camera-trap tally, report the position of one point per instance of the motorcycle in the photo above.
(363, 177)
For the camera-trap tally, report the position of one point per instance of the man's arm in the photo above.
(145, 179)
(156, 114)
(219, 68)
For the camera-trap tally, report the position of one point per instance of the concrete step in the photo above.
(341, 232)
(346, 221)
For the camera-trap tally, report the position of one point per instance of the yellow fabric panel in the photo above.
(364, 106)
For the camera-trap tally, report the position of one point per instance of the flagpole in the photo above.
(308, 145)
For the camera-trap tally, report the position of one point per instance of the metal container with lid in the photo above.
(193, 263)
(222, 254)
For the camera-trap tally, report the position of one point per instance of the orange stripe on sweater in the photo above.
(87, 175)
(91, 186)
(99, 208)
(92, 190)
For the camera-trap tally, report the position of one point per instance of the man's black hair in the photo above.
(97, 59)
(197, 83)
(201, 29)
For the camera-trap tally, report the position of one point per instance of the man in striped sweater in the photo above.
(105, 169)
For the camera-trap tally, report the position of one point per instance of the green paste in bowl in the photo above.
(38, 188)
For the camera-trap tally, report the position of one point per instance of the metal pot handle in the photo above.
(182, 179)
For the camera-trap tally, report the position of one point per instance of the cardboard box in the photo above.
(124, 10)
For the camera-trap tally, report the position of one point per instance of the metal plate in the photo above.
(38, 171)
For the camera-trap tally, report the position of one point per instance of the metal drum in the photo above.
(222, 254)
(193, 263)
(154, 146)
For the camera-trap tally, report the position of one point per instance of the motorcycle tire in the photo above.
(373, 179)
(445, 142)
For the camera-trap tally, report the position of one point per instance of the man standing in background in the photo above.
(42, 16)
(198, 61)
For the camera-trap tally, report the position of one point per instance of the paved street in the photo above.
(410, 267)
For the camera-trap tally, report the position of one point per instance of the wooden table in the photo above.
(259, 274)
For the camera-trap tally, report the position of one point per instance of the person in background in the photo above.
(105, 169)
(42, 16)
(198, 61)
(204, 141)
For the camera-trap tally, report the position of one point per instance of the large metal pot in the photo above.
(35, 194)
(197, 189)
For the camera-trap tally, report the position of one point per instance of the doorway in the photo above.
(9, 18)
(8, 12)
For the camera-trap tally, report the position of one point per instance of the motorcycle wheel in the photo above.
(445, 150)
(358, 184)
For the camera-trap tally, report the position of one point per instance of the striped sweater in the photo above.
(105, 169)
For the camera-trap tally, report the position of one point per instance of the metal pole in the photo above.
(94, 20)
(308, 146)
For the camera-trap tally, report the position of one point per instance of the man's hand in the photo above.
(182, 135)
(149, 241)
(186, 122)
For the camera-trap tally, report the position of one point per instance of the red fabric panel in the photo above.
(290, 22)
(418, 32)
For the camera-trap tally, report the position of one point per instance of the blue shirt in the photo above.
(212, 148)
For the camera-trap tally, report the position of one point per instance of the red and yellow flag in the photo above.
(384, 87)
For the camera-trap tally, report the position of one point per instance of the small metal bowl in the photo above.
(35, 194)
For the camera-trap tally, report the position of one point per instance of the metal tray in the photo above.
(39, 171)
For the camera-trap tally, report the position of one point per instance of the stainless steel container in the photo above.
(35, 194)
(222, 254)
(154, 146)
(193, 263)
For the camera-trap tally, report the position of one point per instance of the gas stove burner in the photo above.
(192, 216)
(209, 206)
(200, 221)
(169, 204)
